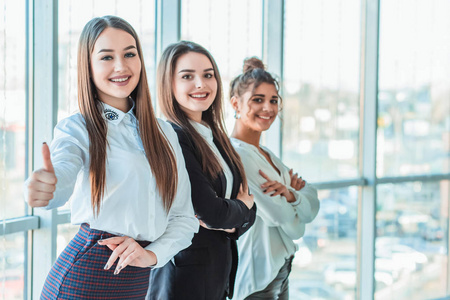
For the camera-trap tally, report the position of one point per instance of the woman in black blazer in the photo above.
(190, 96)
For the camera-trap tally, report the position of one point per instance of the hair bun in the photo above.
(253, 63)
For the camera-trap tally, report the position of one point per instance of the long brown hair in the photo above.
(158, 151)
(213, 116)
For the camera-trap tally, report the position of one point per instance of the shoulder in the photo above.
(72, 125)
(243, 149)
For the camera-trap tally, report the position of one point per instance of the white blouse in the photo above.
(207, 134)
(131, 204)
(264, 248)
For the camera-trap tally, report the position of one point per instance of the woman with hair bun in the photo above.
(285, 201)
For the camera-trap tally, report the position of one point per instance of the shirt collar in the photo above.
(204, 130)
(114, 115)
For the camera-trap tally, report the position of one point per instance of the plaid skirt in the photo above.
(78, 272)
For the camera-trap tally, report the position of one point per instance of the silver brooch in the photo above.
(110, 114)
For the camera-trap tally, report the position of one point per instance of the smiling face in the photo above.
(259, 108)
(194, 84)
(115, 66)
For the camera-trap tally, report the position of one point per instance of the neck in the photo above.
(245, 134)
(121, 104)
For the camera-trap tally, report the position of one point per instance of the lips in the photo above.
(120, 80)
(199, 96)
(264, 117)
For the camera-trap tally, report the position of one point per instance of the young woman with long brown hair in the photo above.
(190, 96)
(122, 168)
(285, 201)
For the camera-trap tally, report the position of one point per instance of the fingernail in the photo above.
(99, 241)
(116, 272)
(44, 143)
(105, 267)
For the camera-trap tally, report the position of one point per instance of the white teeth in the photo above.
(265, 118)
(120, 79)
(199, 96)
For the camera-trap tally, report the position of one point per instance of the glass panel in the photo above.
(65, 234)
(12, 260)
(414, 88)
(12, 108)
(230, 30)
(73, 15)
(321, 88)
(324, 267)
(411, 245)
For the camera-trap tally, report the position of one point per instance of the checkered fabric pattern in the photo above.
(78, 272)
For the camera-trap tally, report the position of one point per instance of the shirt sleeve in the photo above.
(68, 152)
(215, 211)
(276, 211)
(182, 223)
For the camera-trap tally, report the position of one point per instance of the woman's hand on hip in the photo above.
(129, 253)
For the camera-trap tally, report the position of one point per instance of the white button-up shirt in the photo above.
(207, 134)
(264, 248)
(131, 205)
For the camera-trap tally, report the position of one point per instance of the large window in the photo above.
(230, 30)
(321, 88)
(414, 88)
(353, 73)
(411, 245)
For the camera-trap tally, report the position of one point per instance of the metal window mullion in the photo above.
(367, 158)
(168, 24)
(44, 116)
(273, 36)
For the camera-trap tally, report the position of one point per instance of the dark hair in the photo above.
(254, 74)
(158, 151)
(213, 116)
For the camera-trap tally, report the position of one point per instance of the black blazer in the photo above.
(207, 269)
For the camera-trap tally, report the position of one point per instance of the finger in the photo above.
(127, 258)
(41, 186)
(268, 183)
(115, 255)
(121, 264)
(112, 247)
(43, 176)
(113, 240)
(264, 175)
(40, 196)
(48, 166)
(38, 203)
(290, 172)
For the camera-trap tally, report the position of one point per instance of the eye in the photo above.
(130, 54)
(274, 101)
(187, 76)
(209, 75)
(257, 100)
(107, 57)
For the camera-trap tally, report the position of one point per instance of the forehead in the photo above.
(266, 88)
(114, 39)
(193, 61)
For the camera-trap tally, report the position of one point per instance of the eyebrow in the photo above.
(110, 50)
(262, 95)
(193, 71)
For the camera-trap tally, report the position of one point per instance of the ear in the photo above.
(234, 103)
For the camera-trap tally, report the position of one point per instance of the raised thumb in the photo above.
(48, 166)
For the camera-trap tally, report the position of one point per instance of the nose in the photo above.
(267, 106)
(119, 64)
(199, 82)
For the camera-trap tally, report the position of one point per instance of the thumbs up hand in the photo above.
(42, 183)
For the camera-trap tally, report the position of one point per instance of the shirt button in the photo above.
(245, 225)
